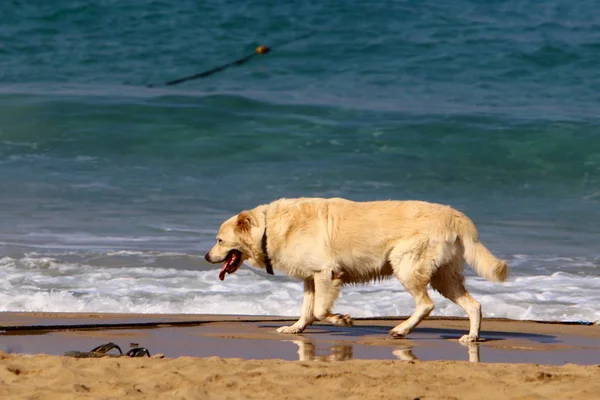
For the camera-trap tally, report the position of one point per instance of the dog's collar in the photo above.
(263, 245)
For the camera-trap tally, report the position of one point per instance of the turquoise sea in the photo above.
(111, 191)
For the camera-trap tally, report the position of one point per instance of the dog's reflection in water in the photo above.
(406, 353)
(344, 352)
(339, 352)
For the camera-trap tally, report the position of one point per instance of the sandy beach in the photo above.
(240, 357)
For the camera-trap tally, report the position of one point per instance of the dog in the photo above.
(331, 242)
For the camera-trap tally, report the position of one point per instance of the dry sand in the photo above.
(229, 357)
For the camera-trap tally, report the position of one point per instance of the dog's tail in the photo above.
(483, 262)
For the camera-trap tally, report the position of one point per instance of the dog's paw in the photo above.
(341, 320)
(290, 329)
(399, 333)
(468, 339)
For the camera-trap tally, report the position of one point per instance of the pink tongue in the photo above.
(224, 268)
(222, 273)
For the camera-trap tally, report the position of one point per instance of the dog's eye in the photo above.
(219, 241)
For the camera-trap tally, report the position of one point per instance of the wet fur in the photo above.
(329, 243)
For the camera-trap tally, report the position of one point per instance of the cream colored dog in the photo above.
(331, 242)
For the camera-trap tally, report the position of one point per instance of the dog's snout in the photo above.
(207, 257)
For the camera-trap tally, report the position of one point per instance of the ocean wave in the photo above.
(465, 151)
(99, 284)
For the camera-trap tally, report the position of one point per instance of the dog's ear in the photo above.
(245, 221)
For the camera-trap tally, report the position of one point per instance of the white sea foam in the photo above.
(39, 282)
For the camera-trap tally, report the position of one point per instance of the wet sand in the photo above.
(529, 357)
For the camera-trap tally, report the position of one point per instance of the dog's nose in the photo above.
(207, 257)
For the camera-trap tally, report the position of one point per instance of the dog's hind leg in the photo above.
(327, 290)
(450, 282)
(307, 316)
(414, 270)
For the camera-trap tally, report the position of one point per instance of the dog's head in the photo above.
(236, 242)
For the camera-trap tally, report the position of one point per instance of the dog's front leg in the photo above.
(307, 316)
(327, 290)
